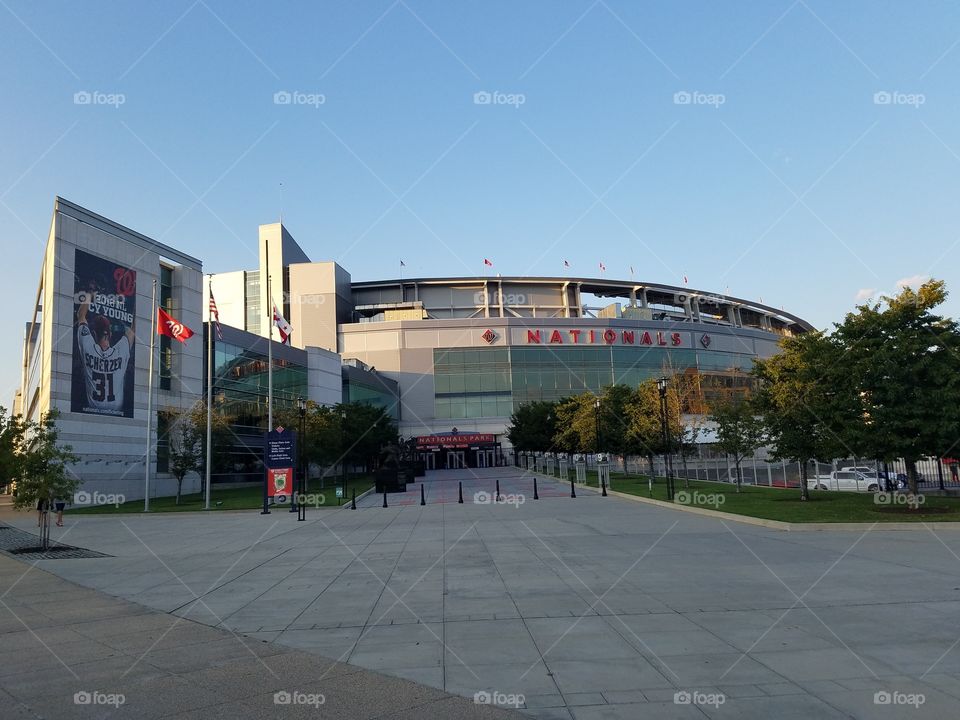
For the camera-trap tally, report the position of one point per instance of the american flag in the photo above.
(215, 315)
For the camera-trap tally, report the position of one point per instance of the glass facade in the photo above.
(487, 382)
(252, 301)
(240, 384)
(357, 390)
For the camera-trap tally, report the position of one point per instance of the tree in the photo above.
(42, 473)
(187, 439)
(12, 429)
(645, 427)
(576, 428)
(899, 389)
(365, 429)
(533, 426)
(796, 403)
(739, 430)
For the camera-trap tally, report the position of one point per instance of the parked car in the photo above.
(888, 480)
(849, 480)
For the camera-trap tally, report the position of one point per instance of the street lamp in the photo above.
(667, 442)
(343, 445)
(596, 418)
(301, 505)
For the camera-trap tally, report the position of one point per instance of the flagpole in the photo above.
(269, 340)
(149, 438)
(206, 496)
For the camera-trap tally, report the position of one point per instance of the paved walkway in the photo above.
(73, 652)
(589, 607)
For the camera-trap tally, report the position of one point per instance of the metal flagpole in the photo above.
(153, 336)
(269, 340)
(206, 496)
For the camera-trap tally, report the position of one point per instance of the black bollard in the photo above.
(384, 498)
(603, 488)
(423, 500)
(536, 496)
(353, 501)
(496, 497)
(460, 486)
(573, 490)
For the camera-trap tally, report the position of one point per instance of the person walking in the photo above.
(59, 505)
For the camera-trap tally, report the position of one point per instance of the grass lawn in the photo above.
(243, 498)
(785, 504)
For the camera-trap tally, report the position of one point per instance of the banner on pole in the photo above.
(279, 460)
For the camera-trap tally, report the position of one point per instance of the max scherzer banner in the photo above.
(104, 308)
(279, 453)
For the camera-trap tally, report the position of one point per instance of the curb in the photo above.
(789, 527)
(346, 506)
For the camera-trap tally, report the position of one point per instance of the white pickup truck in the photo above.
(850, 480)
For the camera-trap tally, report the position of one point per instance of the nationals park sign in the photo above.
(605, 336)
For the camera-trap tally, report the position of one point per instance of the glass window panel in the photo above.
(456, 383)
(474, 408)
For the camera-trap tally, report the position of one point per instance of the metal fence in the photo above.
(708, 464)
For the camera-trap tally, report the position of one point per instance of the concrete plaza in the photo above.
(587, 608)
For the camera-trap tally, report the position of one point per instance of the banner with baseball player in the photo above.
(104, 307)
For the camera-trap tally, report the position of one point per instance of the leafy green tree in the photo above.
(187, 440)
(42, 473)
(645, 424)
(533, 426)
(365, 429)
(11, 440)
(901, 395)
(795, 401)
(576, 428)
(739, 430)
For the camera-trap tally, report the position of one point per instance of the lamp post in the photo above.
(343, 445)
(301, 446)
(665, 426)
(596, 418)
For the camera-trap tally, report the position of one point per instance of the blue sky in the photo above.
(818, 157)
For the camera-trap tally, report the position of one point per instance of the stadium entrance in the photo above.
(456, 450)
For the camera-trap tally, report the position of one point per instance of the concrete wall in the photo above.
(112, 449)
(324, 383)
(229, 290)
(319, 300)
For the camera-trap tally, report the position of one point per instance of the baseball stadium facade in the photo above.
(448, 358)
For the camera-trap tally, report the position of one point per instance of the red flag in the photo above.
(684, 279)
(603, 268)
(166, 325)
(487, 262)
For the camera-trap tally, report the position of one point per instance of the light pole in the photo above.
(596, 418)
(343, 445)
(302, 447)
(665, 426)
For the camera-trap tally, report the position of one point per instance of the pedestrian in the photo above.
(954, 470)
(59, 505)
(41, 509)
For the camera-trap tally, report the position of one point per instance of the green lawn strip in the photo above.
(785, 504)
(241, 498)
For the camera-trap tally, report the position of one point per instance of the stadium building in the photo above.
(448, 358)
